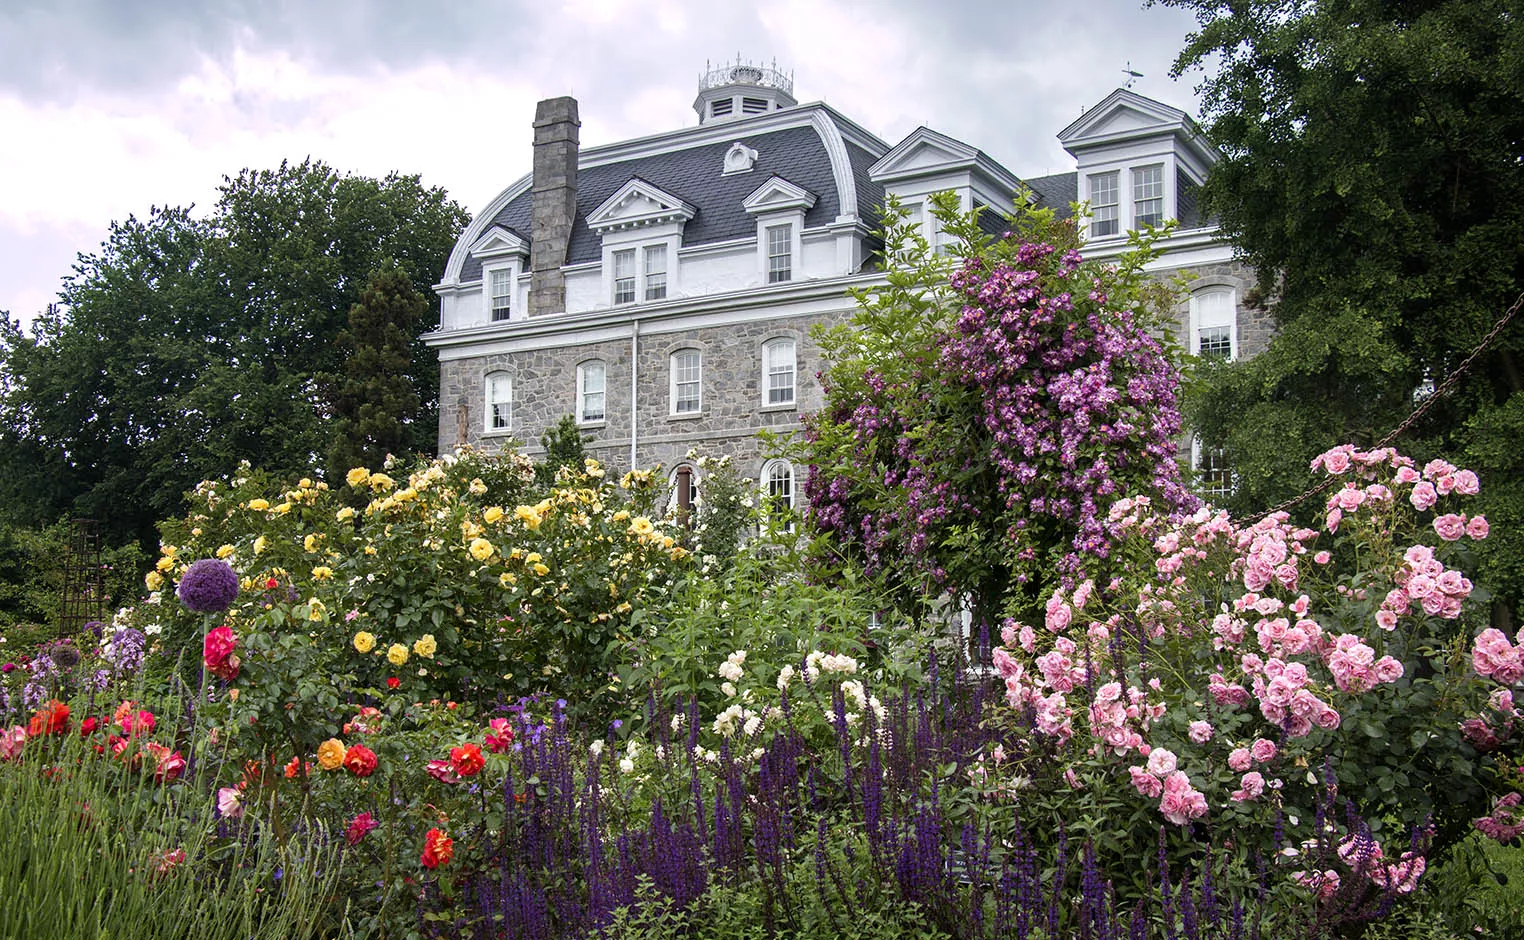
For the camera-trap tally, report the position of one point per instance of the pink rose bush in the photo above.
(1257, 671)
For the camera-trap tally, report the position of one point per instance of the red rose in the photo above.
(88, 726)
(141, 723)
(168, 765)
(393, 682)
(467, 760)
(438, 849)
(500, 738)
(51, 718)
(218, 646)
(360, 760)
(358, 827)
(272, 584)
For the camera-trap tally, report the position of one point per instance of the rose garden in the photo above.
(1005, 677)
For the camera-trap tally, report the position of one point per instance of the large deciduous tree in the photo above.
(1373, 174)
(186, 344)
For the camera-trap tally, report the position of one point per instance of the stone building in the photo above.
(662, 290)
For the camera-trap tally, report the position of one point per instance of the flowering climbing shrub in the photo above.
(1323, 693)
(982, 414)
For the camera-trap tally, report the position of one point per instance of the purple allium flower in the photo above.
(208, 586)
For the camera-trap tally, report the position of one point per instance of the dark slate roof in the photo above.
(794, 153)
(1056, 192)
(870, 195)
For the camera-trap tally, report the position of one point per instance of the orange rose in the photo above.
(331, 753)
(438, 849)
(360, 760)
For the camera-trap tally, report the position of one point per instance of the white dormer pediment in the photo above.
(498, 243)
(778, 195)
(638, 204)
(1125, 118)
(923, 153)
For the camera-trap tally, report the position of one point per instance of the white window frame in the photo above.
(772, 468)
(495, 421)
(675, 409)
(586, 373)
(490, 281)
(1097, 208)
(770, 349)
(1202, 319)
(625, 280)
(652, 276)
(1149, 195)
(779, 274)
(1212, 494)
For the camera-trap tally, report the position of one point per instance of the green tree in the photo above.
(185, 345)
(1371, 175)
(375, 401)
(564, 447)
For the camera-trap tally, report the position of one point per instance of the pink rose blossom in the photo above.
(1262, 750)
(1450, 526)
(1477, 528)
(1201, 731)
(1146, 783)
(1238, 759)
(1423, 497)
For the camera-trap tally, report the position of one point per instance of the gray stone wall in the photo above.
(732, 409)
(1255, 325)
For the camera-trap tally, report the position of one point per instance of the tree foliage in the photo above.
(1372, 176)
(186, 344)
(376, 401)
(983, 411)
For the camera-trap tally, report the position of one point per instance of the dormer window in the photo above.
(1147, 195)
(1104, 204)
(780, 253)
(656, 272)
(624, 276)
(641, 226)
(501, 293)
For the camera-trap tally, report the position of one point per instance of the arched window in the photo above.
(1214, 323)
(499, 410)
(1214, 476)
(778, 485)
(779, 368)
(687, 382)
(592, 385)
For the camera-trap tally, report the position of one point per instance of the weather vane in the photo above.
(1132, 77)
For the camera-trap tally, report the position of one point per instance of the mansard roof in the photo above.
(811, 146)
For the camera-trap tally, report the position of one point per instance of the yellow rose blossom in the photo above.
(154, 580)
(331, 754)
(507, 580)
(259, 544)
(532, 558)
(283, 508)
(168, 551)
(380, 482)
(304, 483)
(165, 563)
(623, 608)
(310, 543)
(316, 609)
(365, 642)
(225, 551)
(481, 549)
(527, 515)
(259, 505)
(477, 487)
(196, 531)
(621, 515)
(470, 530)
(345, 514)
(397, 655)
(370, 549)
(425, 646)
(539, 569)
(406, 495)
(641, 526)
(322, 573)
(492, 514)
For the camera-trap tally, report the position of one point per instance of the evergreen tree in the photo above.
(564, 447)
(375, 401)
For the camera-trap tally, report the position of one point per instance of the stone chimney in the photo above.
(554, 202)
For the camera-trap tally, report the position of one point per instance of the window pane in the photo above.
(779, 361)
(502, 294)
(594, 380)
(624, 276)
(1103, 204)
(687, 368)
(780, 246)
(656, 272)
(1148, 195)
(499, 402)
(1214, 478)
(1215, 342)
(1213, 312)
(780, 485)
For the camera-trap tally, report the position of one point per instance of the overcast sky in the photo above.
(109, 107)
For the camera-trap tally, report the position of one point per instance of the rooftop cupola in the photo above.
(742, 90)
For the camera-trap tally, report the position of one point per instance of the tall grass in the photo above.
(86, 853)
